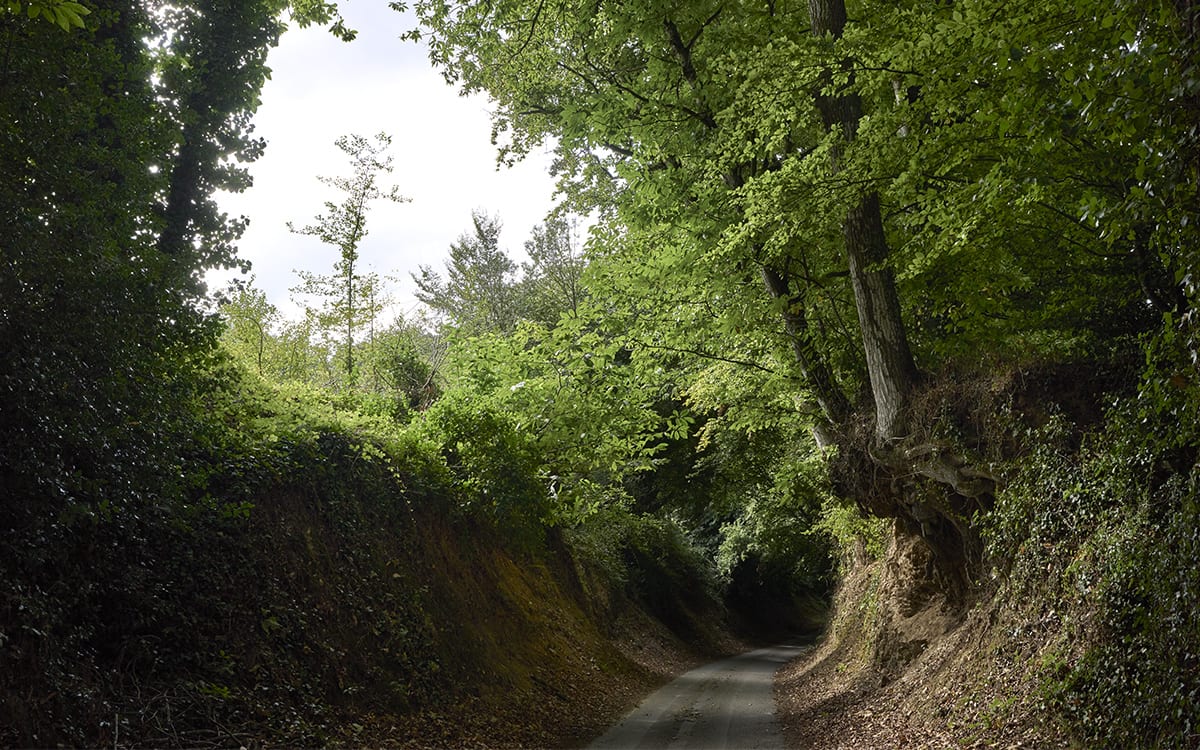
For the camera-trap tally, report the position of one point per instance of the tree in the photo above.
(114, 137)
(115, 140)
(552, 279)
(479, 293)
(211, 66)
(250, 321)
(404, 361)
(633, 101)
(351, 299)
(884, 337)
(922, 182)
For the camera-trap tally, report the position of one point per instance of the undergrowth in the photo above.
(282, 588)
(1097, 537)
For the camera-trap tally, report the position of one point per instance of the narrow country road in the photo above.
(725, 705)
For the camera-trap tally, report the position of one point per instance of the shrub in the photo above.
(493, 462)
(1109, 534)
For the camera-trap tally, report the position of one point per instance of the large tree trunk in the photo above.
(889, 360)
(954, 544)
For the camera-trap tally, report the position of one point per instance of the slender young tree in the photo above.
(250, 320)
(351, 297)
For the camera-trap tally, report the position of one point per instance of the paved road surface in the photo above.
(725, 705)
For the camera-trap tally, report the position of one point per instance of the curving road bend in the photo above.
(725, 705)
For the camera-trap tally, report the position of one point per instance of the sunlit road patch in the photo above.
(726, 705)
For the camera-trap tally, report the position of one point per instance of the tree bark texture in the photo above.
(889, 360)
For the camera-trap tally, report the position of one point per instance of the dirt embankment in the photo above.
(541, 650)
(900, 667)
(343, 613)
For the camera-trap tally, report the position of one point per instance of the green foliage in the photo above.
(115, 139)
(394, 366)
(209, 66)
(1114, 522)
(494, 464)
(64, 13)
(479, 294)
(551, 281)
(393, 363)
(123, 594)
(482, 292)
(1170, 390)
(775, 536)
(851, 530)
(249, 323)
(1034, 165)
(1022, 205)
(588, 404)
(1136, 686)
(579, 499)
(71, 408)
(755, 496)
(988, 202)
(1049, 470)
(351, 299)
(307, 12)
(109, 221)
(1031, 164)
(651, 558)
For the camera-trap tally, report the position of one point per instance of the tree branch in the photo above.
(706, 355)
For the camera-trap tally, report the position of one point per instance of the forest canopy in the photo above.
(852, 196)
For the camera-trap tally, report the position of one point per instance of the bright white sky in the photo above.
(322, 88)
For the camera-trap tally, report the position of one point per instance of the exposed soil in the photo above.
(827, 701)
(557, 710)
(825, 705)
(900, 670)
